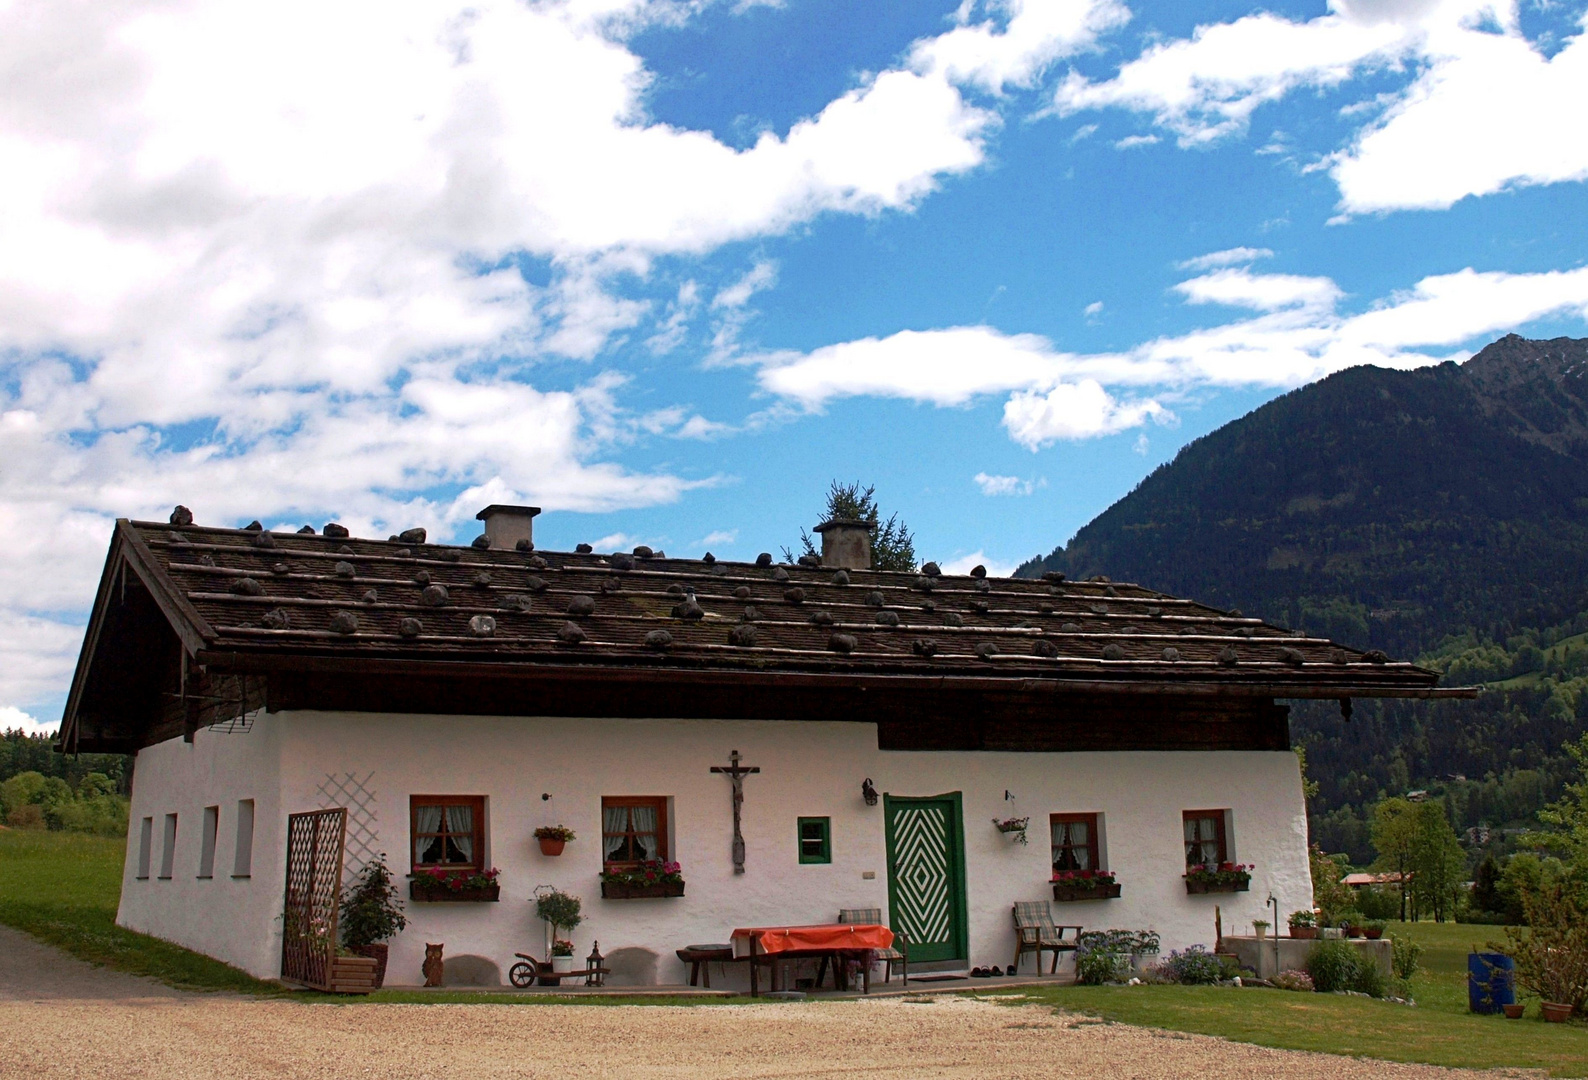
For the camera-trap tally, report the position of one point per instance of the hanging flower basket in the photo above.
(650, 879)
(553, 838)
(1014, 827)
(1224, 877)
(456, 886)
(1074, 885)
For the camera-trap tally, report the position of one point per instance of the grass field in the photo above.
(63, 889)
(1438, 1031)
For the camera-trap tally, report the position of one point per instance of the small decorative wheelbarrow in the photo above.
(531, 969)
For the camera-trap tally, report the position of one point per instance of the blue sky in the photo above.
(667, 268)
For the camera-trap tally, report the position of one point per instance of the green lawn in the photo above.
(63, 889)
(1438, 1031)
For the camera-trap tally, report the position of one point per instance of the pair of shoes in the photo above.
(979, 973)
(997, 973)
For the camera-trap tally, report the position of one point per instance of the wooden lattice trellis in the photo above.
(314, 882)
(363, 831)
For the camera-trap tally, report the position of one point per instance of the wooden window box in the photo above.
(615, 890)
(422, 891)
(1070, 891)
(1196, 887)
(352, 975)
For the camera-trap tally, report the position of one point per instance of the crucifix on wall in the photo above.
(736, 773)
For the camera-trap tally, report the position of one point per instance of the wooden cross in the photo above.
(737, 773)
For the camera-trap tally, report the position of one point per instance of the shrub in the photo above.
(1352, 917)
(1552, 957)
(1096, 964)
(1369, 978)
(1294, 980)
(1333, 966)
(370, 908)
(560, 909)
(1195, 966)
(26, 816)
(1379, 903)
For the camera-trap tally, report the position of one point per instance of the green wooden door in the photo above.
(926, 875)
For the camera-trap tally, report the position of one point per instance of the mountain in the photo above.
(1384, 508)
(1439, 514)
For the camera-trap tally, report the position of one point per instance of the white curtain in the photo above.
(460, 823)
(645, 830)
(1201, 841)
(427, 819)
(1080, 845)
(614, 822)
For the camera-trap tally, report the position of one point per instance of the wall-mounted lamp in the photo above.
(868, 792)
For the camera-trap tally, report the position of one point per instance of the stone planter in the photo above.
(378, 952)
(614, 890)
(561, 965)
(548, 846)
(1554, 1011)
(1072, 891)
(1197, 887)
(423, 892)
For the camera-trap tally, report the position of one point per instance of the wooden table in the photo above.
(834, 942)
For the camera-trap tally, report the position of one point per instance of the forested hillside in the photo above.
(1438, 514)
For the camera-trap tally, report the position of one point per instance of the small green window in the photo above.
(816, 840)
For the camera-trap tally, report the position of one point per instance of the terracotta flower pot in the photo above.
(1372, 934)
(1513, 1012)
(1304, 933)
(548, 846)
(1554, 1011)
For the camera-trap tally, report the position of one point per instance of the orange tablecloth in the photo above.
(777, 939)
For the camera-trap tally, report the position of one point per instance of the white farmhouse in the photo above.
(454, 699)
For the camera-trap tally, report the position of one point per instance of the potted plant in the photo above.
(1015, 827)
(1070, 885)
(563, 912)
(460, 886)
(1261, 927)
(1218, 877)
(553, 838)
(1352, 923)
(1551, 952)
(645, 880)
(1374, 929)
(371, 914)
(561, 956)
(1303, 925)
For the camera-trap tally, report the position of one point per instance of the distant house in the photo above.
(453, 699)
(1357, 881)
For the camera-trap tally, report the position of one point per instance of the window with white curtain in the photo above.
(448, 831)
(633, 829)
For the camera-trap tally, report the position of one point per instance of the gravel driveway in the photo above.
(62, 1018)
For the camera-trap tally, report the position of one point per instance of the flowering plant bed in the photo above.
(1220, 877)
(462, 886)
(652, 878)
(1071, 885)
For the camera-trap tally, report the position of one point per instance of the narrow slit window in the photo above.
(633, 829)
(145, 848)
(212, 823)
(816, 840)
(168, 849)
(243, 857)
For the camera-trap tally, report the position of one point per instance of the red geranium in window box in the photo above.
(1070, 885)
(439, 884)
(1219, 877)
(645, 880)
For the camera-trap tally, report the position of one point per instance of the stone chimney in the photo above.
(846, 544)
(506, 527)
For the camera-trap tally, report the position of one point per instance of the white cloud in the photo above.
(1093, 310)
(1007, 485)
(719, 536)
(965, 563)
(1298, 336)
(1261, 292)
(1235, 256)
(14, 719)
(1479, 108)
(763, 275)
(618, 541)
(1034, 34)
(1131, 142)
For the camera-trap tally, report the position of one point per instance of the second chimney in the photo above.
(505, 526)
(846, 544)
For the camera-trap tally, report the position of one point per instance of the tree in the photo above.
(892, 545)
(1567, 817)
(1438, 862)
(1394, 838)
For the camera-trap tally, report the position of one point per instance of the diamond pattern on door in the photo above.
(921, 875)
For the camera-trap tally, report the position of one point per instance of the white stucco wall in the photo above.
(231, 918)
(808, 769)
